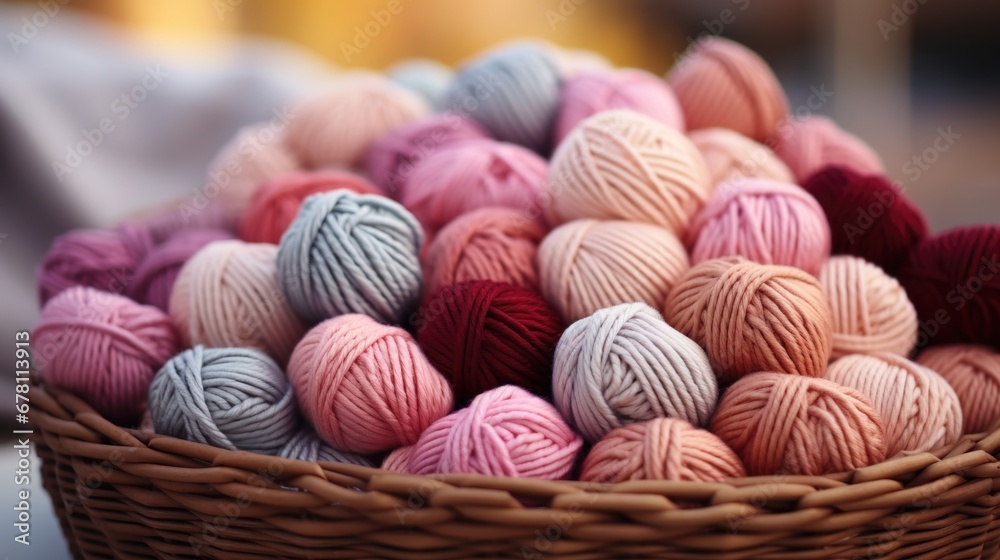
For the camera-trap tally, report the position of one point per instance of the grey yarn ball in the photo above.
(233, 398)
(307, 446)
(513, 92)
(351, 253)
(429, 78)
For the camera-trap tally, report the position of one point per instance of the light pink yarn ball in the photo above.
(337, 126)
(588, 93)
(974, 372)
(763, 221)
(255, 154)
(465, 176)
(505, 431)
(730, 156)
(809, 144)
(396, 460)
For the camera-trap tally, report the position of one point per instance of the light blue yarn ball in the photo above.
(429, 78)
(233, 398)
(513, 92)
(351, 253)
(307, 446)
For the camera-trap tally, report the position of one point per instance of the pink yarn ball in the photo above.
(255, 154)
(505, 431)
(809, 144)
(974, 372)
(469, 175)
(396, 460)
(104, 347)
(392, 158)
(588, 93)
(364, 386)
(156, 274)
(764, 221)
(730, 156)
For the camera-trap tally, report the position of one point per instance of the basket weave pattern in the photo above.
(123, 493)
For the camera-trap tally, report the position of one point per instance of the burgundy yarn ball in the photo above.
(953, 280)
(155, 275)
(483, 334)
(869, 217)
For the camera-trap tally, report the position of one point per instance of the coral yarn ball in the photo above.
(764, 221)
(661, 449)
(720, 83)
(870, 310)
(255, 154)
(753, 317)
(156, 274)
(104, 347)
(795, 425)
(620, 165)
(483, 334)
(277, 201)
(809, 144)
(366, 387)
(730, 156)
(974, 373)
(868, 216)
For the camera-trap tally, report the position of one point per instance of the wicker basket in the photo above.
(127, 494)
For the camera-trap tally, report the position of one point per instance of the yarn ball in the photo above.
(103, 259)
(464, 176)
(391, 159)
(483, 334)
(762, 220)
(720, 83)
(753, 317)
(729, 156)
(588, 265)
(506, 431)
(620, 165)
(233, 398)
(277, 202)
(919, 410)
(625, 364)
(305, 445)
(157, 272)
(104, 347)
(255, 154)
(795, 425)
(228, 295)
(974, 373)
(429, 78)
(366, 387)
(491, 243)
(351, 253)
(513, 92)
(337, 126)
(868, 216)
(953, 280)
(661, 449)
(167, 221)
(808, 144)
(870, 310)
(588, 93)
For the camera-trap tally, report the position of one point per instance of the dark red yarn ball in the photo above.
(953, 279)
(868, 216)
(483, 334)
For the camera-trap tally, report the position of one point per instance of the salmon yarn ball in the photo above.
(277, 201)
(156, 274)
(720, 83)
(919, 410)
(588, 265)
(974, 373)
(661, 449)
(228, 295)
(366, 387)
(808, 144)
(255, 154)
(337, 126)
(491, 243)
(762, 220)
(753, 317)
(620, 165)
(795, 425)
(729, 156)
(870, 310)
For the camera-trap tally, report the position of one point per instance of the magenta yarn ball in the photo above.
(155, 275)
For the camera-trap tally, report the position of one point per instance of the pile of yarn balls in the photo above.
(537, 265)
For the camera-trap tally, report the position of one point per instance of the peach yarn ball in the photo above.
(492, 243)
(974, 373)
(621, 165)
(795, 425)
(919, 410)
(870, 310)
(762, 220)
(586, 265)
(811, 143)
(752, 317)
(729, 156)
(255, 154)
(661, 449)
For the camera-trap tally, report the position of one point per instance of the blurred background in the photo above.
(917, 79)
